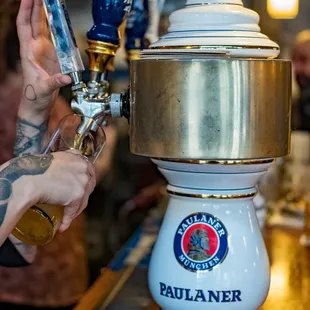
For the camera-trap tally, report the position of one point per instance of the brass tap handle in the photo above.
(103, 37)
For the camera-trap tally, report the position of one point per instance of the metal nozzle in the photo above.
(77, 82)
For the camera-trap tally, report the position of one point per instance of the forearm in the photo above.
(32, 124)
(18, 192)
(11, 210)
(8, 218)
(13, 203)
(13, 253)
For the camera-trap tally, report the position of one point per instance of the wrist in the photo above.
(31, 111)
(24, 194)
(38, 107)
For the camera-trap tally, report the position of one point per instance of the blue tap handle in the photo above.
(108, 15)
(137, 25)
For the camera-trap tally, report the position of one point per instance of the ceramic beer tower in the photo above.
(210, 105)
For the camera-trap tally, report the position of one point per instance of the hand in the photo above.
(64, 178)
(41, 71)
(68, 182)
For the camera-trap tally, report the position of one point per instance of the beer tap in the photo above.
(136, 27)
(104, 36)
(91, 101)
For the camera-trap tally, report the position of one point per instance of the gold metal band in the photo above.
(100, 54)
(133, 55)
(220, 162)
(212, 196)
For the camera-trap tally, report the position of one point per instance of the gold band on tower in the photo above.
(100, 55)
(133, 55)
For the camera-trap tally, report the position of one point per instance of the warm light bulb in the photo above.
(283, 9)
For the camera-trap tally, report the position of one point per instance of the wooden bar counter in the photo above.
(290, 271)
(123, 284)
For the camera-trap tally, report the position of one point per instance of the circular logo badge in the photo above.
(200, 242)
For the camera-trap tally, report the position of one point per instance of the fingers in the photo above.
(24, 21)
(38, 24)
(74, 151)
(88, 190)
(55, 82)
(86, 187)
(58, 80)
(46, 32)
(91, 172)
(67, 218)
(73, 211)
(31, 20)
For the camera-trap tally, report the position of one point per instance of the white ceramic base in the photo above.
(260, 209)
(210, 253)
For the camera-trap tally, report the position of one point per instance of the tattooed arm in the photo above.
(29, 140)
(17, 169)
(42, 79)
(64, 178)
(30, 134)
(29, 137)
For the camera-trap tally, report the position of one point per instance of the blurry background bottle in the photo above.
(287, 189)
(40, 223)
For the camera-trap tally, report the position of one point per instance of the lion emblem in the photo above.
(199, 244)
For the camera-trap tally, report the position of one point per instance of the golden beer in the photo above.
(39, 224)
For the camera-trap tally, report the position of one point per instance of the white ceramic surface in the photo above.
(218, 24)
(225, 233)
(260, 209)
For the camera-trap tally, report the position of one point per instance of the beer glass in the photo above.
(40, 223)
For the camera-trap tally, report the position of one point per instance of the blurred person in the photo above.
(29, 98)
(301, 64)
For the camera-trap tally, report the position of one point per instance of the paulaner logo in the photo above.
(200, 242)
(198, 295)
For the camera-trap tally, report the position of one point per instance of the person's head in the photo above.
(9, 43)
(301, 58)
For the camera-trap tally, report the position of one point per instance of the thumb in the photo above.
(70, 213)
(66, 221)
(57, 81)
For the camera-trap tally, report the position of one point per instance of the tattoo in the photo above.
(18, 167)
(30, 93)
(29, 140)
(29, 137)
(28, 252)
(5, 195)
